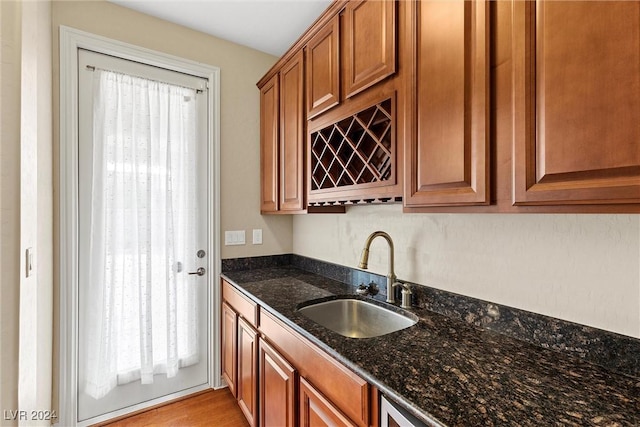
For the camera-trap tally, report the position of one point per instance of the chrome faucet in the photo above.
(364, 261)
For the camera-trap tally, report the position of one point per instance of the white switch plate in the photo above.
(257, 236)
(234, 237)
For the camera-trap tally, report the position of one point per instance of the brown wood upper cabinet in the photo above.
(576, 81)
(548, 122)
(269, 143)
(282, 125)
(292, 136)
(370, 43)
(368, 40)
(448, 150)
(323, 69)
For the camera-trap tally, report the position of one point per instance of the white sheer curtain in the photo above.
(143, 233)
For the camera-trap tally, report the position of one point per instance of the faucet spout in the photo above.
(364, 261)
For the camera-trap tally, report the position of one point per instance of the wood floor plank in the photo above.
(211, 408)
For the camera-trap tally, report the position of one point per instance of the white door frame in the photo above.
(70, 41)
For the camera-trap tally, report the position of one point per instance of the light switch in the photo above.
(257, 236)
(234, 237)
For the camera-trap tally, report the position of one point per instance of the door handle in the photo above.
(199, 272)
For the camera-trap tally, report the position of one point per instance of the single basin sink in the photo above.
(356, 318)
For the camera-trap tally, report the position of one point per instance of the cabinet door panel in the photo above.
(344, 388)
(269, 141)
(277, 389)
(292, 135)
(229, 347)
(370, 43)
(323, 69)
(576, 102)
(247, 371)
(317, 411)
(449, 154)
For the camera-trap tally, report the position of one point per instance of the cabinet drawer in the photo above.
(346, 390)
(240, 303)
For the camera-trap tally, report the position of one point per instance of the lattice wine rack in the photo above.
(358, 150)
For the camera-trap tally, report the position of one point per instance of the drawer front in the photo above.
(240, 303)
(346, 390)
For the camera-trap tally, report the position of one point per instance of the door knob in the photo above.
(199, 272)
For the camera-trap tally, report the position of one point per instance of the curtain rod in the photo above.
(93, 68)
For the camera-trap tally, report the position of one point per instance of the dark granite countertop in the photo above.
(447, 372)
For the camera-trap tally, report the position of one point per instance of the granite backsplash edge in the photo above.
(615, 352)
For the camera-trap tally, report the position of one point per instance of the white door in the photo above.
(142, 264)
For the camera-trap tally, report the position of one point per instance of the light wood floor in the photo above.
(211, 408)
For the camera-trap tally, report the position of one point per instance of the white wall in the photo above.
(25, 209)
(10, 39)
(36, 211)
(240, 70)
(581, 268)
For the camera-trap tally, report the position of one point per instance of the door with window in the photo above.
(142, 236)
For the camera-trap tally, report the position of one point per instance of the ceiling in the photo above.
(270, 26)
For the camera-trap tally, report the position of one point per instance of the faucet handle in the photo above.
(406, 297)
(362, 289)
(370, 289)
(373, 288)
(406, 294)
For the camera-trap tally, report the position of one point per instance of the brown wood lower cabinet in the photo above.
(277, 389)
(316, 410)
(240, 350)
(348, 392)
(282, 379)
(229, 347)
(247, 371)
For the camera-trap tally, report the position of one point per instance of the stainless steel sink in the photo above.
(356, 318)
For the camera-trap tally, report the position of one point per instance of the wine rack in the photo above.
(357, 151)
